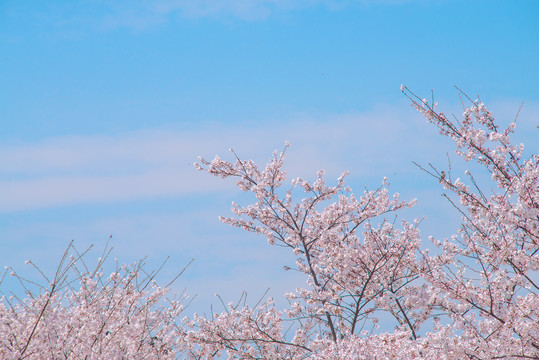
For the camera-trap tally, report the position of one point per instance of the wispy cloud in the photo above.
(146, 13)
(154, 163)
(245, 10)
(140, 15)
(158, 163)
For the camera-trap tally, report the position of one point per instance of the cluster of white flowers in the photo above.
(358, 265)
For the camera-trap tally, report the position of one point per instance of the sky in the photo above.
(105, 105)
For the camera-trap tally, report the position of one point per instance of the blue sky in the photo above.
(105, 105)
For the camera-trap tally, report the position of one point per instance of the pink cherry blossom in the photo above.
(480, 292)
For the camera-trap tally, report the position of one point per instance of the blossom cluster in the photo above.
(125, 315)
(477, 298)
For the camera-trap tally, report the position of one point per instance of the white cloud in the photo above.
(143, 14)
(158, 163)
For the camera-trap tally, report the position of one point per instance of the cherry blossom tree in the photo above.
(83, 314)
(477, 298)
(486, 279)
